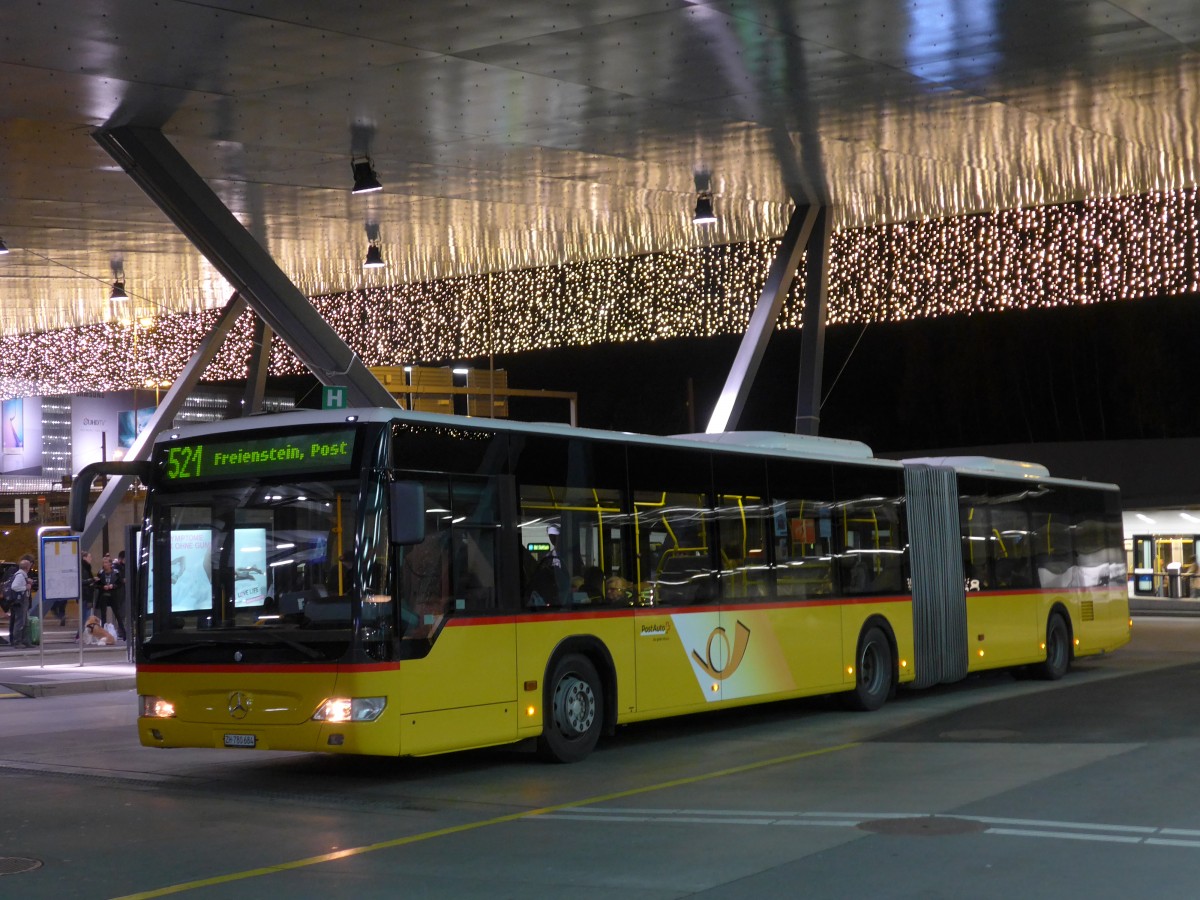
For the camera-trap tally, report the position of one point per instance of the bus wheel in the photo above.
(873, 677)
(574, 711)
(1058, 650)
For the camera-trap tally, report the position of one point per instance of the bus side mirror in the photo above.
(406, 501)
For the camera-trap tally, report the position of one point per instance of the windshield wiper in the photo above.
(288, 642)
(177, 648)
(241, 639)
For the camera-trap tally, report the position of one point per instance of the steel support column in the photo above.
(812, 326)
(256, 380)
(762, 321)
(163, 416)
(159, 169)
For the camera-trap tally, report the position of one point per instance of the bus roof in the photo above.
(758, 443)
(1010, 469)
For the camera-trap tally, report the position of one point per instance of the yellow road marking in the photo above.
(472, 826)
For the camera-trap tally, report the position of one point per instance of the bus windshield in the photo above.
(266, 568)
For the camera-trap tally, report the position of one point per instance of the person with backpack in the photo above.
(19, 591)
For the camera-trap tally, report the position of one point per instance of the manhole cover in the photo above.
(980, 734)
(923, 826)
(15, 865)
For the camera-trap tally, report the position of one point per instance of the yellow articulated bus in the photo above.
(393, 583)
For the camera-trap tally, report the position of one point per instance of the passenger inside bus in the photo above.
(618, 591)
(551, 583)
(592, 585)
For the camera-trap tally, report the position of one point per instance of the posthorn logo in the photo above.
(727, 659)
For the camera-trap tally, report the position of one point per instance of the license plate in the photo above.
(239, 740)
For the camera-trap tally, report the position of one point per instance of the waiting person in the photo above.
(110, 587)
(20, 591)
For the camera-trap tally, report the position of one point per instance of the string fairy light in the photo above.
(1095, 251)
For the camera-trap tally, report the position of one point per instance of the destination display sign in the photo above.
(239, 457)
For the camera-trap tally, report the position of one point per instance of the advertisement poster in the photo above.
(14, 425)
(129, 425)
(191, 570)
(21, 426)
(94, 429)
(250, 567)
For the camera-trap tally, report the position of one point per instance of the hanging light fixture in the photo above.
(117, 265)
(365, 179)
(374, 258)
(3, 247)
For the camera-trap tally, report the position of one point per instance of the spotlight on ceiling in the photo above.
(118, 291)
(3, 247)
(365, 180)
(374, 258)
(704, 214)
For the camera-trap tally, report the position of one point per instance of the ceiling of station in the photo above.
(517, 133)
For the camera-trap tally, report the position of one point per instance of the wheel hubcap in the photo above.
(575, 706)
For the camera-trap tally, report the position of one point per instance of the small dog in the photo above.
(94, 633)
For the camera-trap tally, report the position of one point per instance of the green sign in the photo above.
(334, 397)
(226, 457)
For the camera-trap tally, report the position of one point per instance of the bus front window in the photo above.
(256, 560)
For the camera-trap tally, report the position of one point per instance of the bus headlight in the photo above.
(156, 707)
(358, 709)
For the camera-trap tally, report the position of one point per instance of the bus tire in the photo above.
(1058, 649)
(873, 671)
(574, 710)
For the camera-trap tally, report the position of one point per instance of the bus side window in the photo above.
(1010, 545)
(676, 560)
(425, 584)
(474, 526)
(475, 568)
(871, 547)
(803, 532)
(742, 528)
(976, 536)
(571, 542)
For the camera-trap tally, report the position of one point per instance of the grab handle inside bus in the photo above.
(81, 486)
(407, 513)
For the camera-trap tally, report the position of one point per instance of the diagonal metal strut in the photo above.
(163, 417)
(159, 169)
(762, 321)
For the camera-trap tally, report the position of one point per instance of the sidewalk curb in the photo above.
(60, 685)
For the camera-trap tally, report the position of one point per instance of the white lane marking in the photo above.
(1035, 828)
(1065, 835)
(1176, 843)
(1078, 826)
